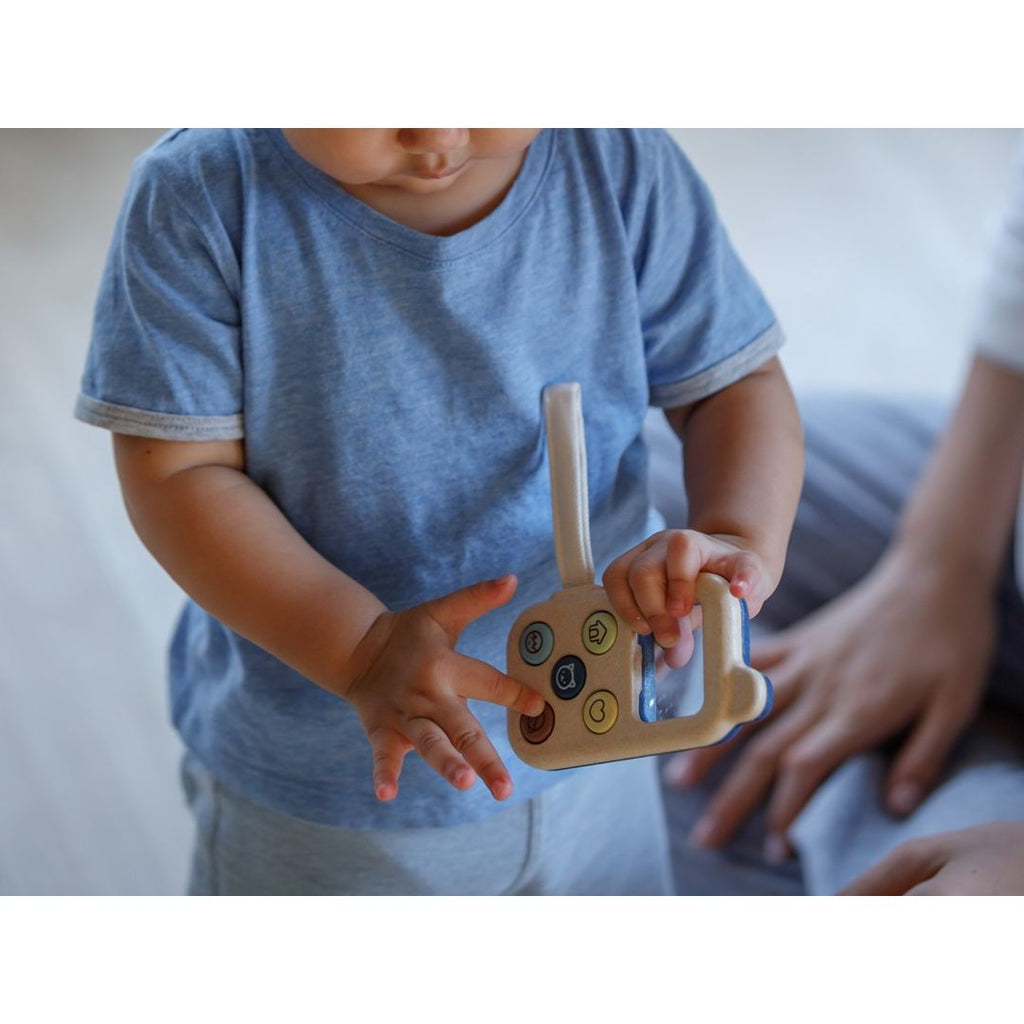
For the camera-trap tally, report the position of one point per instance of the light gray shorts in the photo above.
(599, 832)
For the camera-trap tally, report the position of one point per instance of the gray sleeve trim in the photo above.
(730, 370)
(123, 419)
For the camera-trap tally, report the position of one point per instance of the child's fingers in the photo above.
(744, 572)
(434, 746)
(746, 579)
(684, 558)
(479, 681)
(648, 583)
(389, 750)
(457, 748)
(471, 741)
(680, 654)
(616, 584)
(456, 610)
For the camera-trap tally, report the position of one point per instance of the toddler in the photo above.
(321, 353)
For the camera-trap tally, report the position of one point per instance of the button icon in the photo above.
(600, 632)
(536, 643)
(568, 677)
(538, 728)
(601, 711)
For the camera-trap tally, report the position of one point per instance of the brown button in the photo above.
(538, 728)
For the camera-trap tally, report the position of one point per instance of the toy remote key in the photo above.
(596, 672)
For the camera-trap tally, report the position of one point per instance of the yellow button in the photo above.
(601, 711)
(599, 632)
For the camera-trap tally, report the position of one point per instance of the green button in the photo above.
(599, 632)
(536, 643)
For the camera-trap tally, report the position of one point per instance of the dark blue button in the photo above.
(568, 677)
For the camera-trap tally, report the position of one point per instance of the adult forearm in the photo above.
(231, 549)
(961, 513)
(743, 463)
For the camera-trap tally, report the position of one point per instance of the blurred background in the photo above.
(869, 243)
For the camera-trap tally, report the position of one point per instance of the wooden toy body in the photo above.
(599, 681)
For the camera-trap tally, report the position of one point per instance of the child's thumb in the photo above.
(458, 609)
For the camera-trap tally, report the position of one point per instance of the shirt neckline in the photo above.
(432, 247)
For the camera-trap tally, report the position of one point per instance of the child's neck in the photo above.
(476, 193)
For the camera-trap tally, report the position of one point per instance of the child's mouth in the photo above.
(445, 172)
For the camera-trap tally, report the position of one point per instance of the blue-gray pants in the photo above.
(863, 457)
(597, 832)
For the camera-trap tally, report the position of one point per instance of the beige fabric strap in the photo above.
(570, 504)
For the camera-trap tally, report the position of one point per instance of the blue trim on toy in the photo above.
(648, 709)
(768, 702)
(745, 618)
(728, 736)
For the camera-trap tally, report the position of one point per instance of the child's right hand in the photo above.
(409, 688)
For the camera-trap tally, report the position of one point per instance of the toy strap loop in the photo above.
(570, 503)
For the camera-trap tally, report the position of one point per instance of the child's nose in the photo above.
(433, 140)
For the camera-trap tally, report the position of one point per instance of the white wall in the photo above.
(869, 244)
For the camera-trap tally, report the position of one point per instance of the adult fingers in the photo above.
(689, 767)
(748, 781)
(389, 749)
(931, 887)
(908, 865)
(454, 611)
(806, 764)
(767, 651)
(922, 756)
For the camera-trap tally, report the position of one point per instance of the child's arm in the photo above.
(743, 467)
(230, 548)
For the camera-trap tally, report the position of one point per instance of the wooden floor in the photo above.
(868, 243)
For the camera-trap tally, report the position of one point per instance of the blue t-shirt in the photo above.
(388, 387)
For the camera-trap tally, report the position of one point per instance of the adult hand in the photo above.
(987, 860)
(906, 648)
(410, 689)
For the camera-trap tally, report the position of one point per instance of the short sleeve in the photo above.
(705, 321)
(999, 320)
(164, 358)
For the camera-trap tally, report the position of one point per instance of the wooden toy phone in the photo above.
(597, 673)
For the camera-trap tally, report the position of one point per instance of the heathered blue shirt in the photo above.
(387, 384)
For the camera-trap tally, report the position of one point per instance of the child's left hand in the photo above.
(653, 586)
